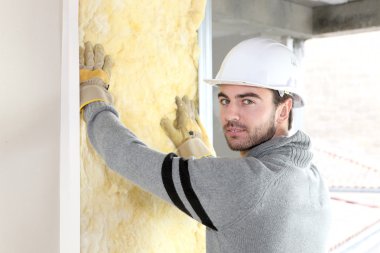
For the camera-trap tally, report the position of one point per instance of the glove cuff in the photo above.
(92, 91)
(194, 147)
(88, 74)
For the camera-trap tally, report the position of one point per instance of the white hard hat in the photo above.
(261, 63)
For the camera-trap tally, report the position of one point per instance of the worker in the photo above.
(272, 199)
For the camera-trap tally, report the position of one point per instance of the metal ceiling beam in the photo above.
(246, 17)
(357, 16)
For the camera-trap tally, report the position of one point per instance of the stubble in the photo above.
(256, 136)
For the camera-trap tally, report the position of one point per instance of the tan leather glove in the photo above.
(187, 133)
(95, 73)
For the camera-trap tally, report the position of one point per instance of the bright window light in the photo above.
(342, 115)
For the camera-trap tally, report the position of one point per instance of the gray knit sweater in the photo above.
(271, 201)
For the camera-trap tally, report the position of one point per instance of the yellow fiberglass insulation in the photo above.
(154, 47)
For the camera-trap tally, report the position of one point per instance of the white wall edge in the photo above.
(205, 71)
(70, 131)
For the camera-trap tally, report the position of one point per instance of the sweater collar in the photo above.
(296, 147)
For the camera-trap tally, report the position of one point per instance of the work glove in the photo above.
(186, 132)
(95, 74)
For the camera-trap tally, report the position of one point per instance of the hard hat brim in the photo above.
(218, 82)
(297, 100)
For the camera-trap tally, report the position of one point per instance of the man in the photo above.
(270, 200)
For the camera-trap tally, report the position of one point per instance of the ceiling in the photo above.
(301, 19)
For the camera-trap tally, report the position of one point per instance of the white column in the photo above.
(70, 135)
(205, 71)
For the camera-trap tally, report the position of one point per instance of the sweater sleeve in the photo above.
(214, 191)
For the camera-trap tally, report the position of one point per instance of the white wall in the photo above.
(30, 65)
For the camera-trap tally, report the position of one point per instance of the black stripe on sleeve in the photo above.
(191, 196)
(167, 180)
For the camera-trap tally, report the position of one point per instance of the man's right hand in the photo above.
(95, 73)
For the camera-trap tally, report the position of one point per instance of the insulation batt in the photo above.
(155, 49)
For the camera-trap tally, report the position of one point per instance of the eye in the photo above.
(224, 101)
(247, 101)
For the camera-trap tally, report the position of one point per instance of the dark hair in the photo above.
(277, 100)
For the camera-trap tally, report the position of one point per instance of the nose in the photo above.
(230, 113)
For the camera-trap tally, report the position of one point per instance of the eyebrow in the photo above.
(249, 94)
(221, 94)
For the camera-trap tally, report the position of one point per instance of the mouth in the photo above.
(234, 131)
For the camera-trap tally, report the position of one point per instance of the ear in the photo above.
(283, 111)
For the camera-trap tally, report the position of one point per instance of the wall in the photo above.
(154, 45)
(30, 49)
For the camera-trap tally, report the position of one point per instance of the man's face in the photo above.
(247, 115)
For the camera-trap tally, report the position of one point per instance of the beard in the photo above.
(255, 137)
